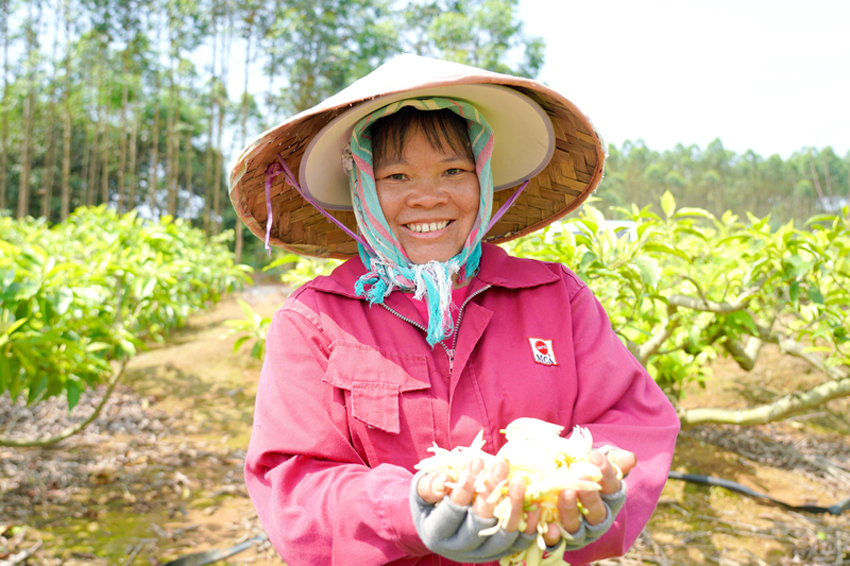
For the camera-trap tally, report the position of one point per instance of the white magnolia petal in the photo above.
(527, 457)
(535, 430)
(586, 469)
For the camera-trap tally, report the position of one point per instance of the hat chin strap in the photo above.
(504, 208)
(275, 168)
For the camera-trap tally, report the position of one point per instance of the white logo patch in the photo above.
(542, 351)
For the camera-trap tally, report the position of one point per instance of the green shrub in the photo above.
(92, 289)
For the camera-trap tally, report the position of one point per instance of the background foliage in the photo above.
(132, 102)
(684, 287)
(90, 290)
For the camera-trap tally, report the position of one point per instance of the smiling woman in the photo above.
(431, 335)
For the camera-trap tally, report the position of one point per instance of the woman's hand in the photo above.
(433, 487)
(568, 499)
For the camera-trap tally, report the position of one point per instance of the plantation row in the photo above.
(680, 289)
(692, 286)
(91, 290)
(684, 288)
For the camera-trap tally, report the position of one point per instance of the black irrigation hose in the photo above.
(836, 509)
(210, 556)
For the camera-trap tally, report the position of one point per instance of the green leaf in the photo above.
(147, 288)
(668, 204)
(686, 212)
(649, 270)
(794, 291)
(661, 248)
(284, 260)
(62, 300)
(239, 341)
(73, 391)
(743, 319)
(815, 295)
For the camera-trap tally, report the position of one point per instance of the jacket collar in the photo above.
(496, 268)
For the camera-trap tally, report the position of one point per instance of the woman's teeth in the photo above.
(423, 228)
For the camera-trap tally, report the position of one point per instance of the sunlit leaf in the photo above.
(668, 204)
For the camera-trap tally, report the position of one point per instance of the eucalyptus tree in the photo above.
(65, 198)
(482, 33)
(318, 47)
(31, 57)
(4, 110)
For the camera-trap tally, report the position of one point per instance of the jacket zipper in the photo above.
(450, 352)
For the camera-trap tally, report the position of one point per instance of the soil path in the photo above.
(159, 474)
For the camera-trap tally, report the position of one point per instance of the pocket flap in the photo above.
(350, 362)
(375, 378)
(376, 404)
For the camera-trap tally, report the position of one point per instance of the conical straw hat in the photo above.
(539, 136)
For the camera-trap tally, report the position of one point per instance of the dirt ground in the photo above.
(158, 475)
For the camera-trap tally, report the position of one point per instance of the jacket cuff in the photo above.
(398, 520)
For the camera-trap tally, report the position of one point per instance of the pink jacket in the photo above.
(351, 396)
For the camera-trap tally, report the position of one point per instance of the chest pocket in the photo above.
(387, 401)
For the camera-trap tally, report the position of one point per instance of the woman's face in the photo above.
(429, 198)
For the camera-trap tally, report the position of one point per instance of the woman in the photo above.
(429, 336)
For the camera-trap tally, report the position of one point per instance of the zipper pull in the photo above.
(451, 354)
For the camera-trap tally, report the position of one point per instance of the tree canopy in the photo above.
(132, 103)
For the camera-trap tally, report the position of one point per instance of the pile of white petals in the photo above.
(546, 461)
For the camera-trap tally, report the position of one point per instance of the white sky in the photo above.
(772, 76)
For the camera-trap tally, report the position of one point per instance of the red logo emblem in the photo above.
(542, 351)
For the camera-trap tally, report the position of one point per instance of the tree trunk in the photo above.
(170, 165)
(66, 131)
(122, 145)
(828, 180)
(237, 251)
(91, 192)
(50, 145)
(104, 153)
(222, 93)
(4, 136)
(190, 187)
(175, 143)
(132, 180)
(49, 164)
(210, 154)
(28, 113)
(821, 198)
(154, 176)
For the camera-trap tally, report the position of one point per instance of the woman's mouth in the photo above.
(425, 227)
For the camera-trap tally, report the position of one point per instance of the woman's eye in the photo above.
(454, 171)
(396, 176)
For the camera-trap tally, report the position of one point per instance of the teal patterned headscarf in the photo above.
(388, 266)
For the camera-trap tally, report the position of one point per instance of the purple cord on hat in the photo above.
(273, 170)
(290, 178)
(280, 166)
(504, 208)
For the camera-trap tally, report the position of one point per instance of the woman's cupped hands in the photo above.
(477, 482)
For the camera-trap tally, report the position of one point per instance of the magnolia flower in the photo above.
(453, 462)
(536, 452)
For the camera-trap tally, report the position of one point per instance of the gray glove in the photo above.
(451, 530)
(587, 534)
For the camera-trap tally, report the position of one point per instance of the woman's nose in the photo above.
(427, 194)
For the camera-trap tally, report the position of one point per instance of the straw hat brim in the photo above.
(539, 135)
